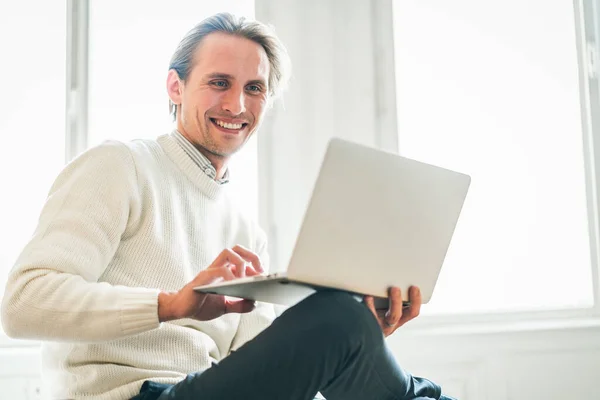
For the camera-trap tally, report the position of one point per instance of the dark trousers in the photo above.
(329, 342)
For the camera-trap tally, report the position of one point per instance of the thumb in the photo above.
(239, 306)
(370, 302)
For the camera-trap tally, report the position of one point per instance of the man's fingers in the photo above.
(229, 258)
(239, 306)
(414, 295)
(249, 256)
(212, 275)
(396, 315)
(250, 271)
(370, 303)
(392, 317)
(241, 260)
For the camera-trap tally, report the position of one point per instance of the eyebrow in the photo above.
(220, 75)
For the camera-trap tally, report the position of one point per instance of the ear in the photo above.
(174, 87)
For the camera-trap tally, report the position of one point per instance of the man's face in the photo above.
(222, 101)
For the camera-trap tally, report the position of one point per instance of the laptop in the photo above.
(375, 220)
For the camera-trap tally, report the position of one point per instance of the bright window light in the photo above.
(32, 39)
(491, 89)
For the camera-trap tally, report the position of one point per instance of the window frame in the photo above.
(76, 117)
(587, 26)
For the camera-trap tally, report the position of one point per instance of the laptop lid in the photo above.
(376, 220)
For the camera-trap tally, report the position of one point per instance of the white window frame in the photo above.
(587, 24)
(77, 87)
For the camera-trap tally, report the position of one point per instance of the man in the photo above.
(129, 229)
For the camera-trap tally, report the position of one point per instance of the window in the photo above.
(491, 89)
(129, 58)
(32, 39)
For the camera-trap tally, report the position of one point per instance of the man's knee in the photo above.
(338, 316)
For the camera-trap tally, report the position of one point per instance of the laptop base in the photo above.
(276, 290)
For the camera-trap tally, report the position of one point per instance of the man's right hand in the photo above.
(236, 262)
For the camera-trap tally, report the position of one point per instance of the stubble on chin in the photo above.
(210, 144)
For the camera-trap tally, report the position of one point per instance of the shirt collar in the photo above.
(199, 158)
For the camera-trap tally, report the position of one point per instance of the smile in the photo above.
(228, 125)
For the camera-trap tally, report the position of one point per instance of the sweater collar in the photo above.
(189, 167)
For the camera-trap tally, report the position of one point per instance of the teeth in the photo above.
(228, 125)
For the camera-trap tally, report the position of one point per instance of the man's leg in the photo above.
(329, 342)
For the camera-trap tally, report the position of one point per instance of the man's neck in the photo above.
(217, 161)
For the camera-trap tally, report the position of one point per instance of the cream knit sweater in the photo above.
(121, 223)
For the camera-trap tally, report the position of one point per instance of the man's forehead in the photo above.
(231, 55)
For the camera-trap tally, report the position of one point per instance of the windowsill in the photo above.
(430, 325)
(7, 343)
(480, 328)
(516, 322)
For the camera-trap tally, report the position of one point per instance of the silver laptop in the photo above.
(375, 220)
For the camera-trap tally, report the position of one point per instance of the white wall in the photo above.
(20, 377)
(507, 364)
(336, 91)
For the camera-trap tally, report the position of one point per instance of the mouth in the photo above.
(234, 127)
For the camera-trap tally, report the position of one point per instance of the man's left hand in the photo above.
(396, 315)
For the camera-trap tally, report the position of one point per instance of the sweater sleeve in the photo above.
(254, 322)
(52, 292)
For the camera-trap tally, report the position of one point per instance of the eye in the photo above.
(220, 84)
(254, 88)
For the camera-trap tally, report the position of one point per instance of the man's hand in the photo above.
(396, 315)
(236, 262)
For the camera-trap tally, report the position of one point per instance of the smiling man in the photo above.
(129, 229)
(220, 102)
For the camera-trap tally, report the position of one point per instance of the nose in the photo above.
(234, 101)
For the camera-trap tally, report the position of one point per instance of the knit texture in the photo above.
(122, 222)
